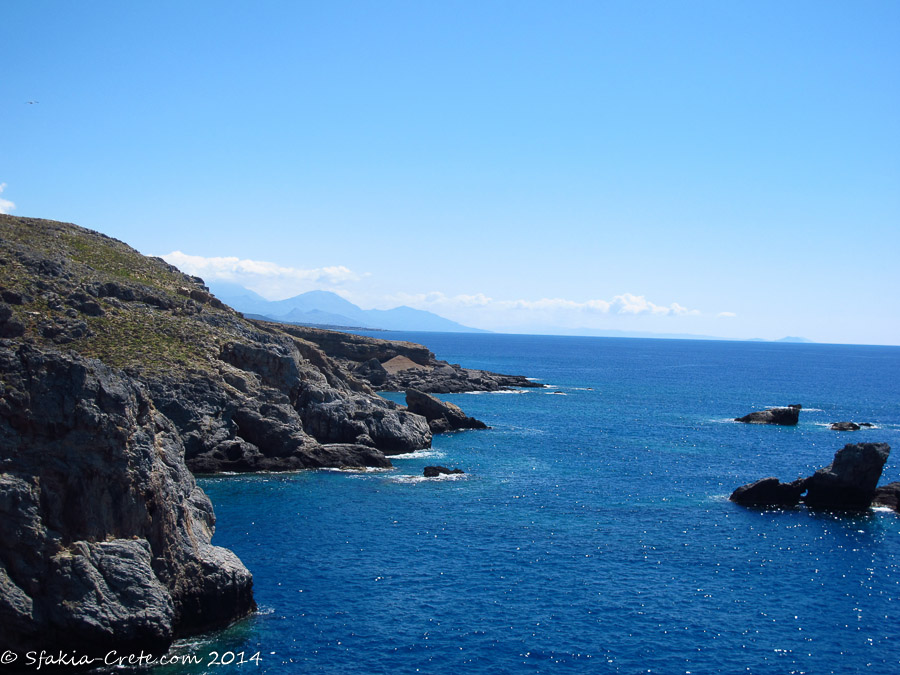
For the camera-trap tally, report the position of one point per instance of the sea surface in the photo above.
(591, 532)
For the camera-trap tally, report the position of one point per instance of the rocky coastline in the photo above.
(394, 365)
(119, 377)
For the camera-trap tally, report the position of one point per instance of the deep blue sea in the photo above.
(591, 532)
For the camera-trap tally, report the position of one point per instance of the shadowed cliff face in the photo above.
(104, 535)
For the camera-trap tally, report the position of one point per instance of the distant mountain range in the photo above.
(322, 308)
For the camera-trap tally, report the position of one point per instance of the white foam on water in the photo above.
(555, 393)
(418, 454)
(501, 391)
(356, 469)
(414, 480)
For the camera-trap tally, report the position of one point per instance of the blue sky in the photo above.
(720, 168)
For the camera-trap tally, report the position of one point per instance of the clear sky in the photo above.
(720, 168)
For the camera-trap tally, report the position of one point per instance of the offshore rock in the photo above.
(435, 471)
(769, 492)
(442, 416)
(845, 426)
(787, 416)
(849, 482)
(104, 535)
(888, 495)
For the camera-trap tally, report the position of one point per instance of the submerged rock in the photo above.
(441, 415)
(845, 426)
(104, 535)
(435, 471)
(787, 416)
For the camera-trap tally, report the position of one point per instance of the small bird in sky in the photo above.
(32, 102)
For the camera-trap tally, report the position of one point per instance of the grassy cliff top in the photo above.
(66, 285)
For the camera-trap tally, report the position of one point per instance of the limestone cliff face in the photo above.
(104, 534)
(244, 396)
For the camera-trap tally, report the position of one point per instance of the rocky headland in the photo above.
(119, 375)
(394, 365)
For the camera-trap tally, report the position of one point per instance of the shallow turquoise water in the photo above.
(592, 531)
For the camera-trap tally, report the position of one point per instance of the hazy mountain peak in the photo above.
(327, 308)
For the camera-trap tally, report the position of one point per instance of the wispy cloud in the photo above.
(275, 282)
(725, 315)
(626, 303)
(269, 279)
(5, 205)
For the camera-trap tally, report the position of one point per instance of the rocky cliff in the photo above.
(118, 374)
(104, 535)
(393, 365)
(244, 396)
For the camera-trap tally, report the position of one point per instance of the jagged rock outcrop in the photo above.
(787, 416)
(887, 495)
(849, 482)
(442, 416)
(769, 492)
(104, 535)
(435, 471)
(394, 365)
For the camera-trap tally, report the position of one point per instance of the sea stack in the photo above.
(441, 415)
(849, 482)
(786, 416)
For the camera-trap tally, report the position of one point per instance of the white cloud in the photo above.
(275, 282)
(269, 279)
(5, 205)
(725, 315)
(626, 304)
